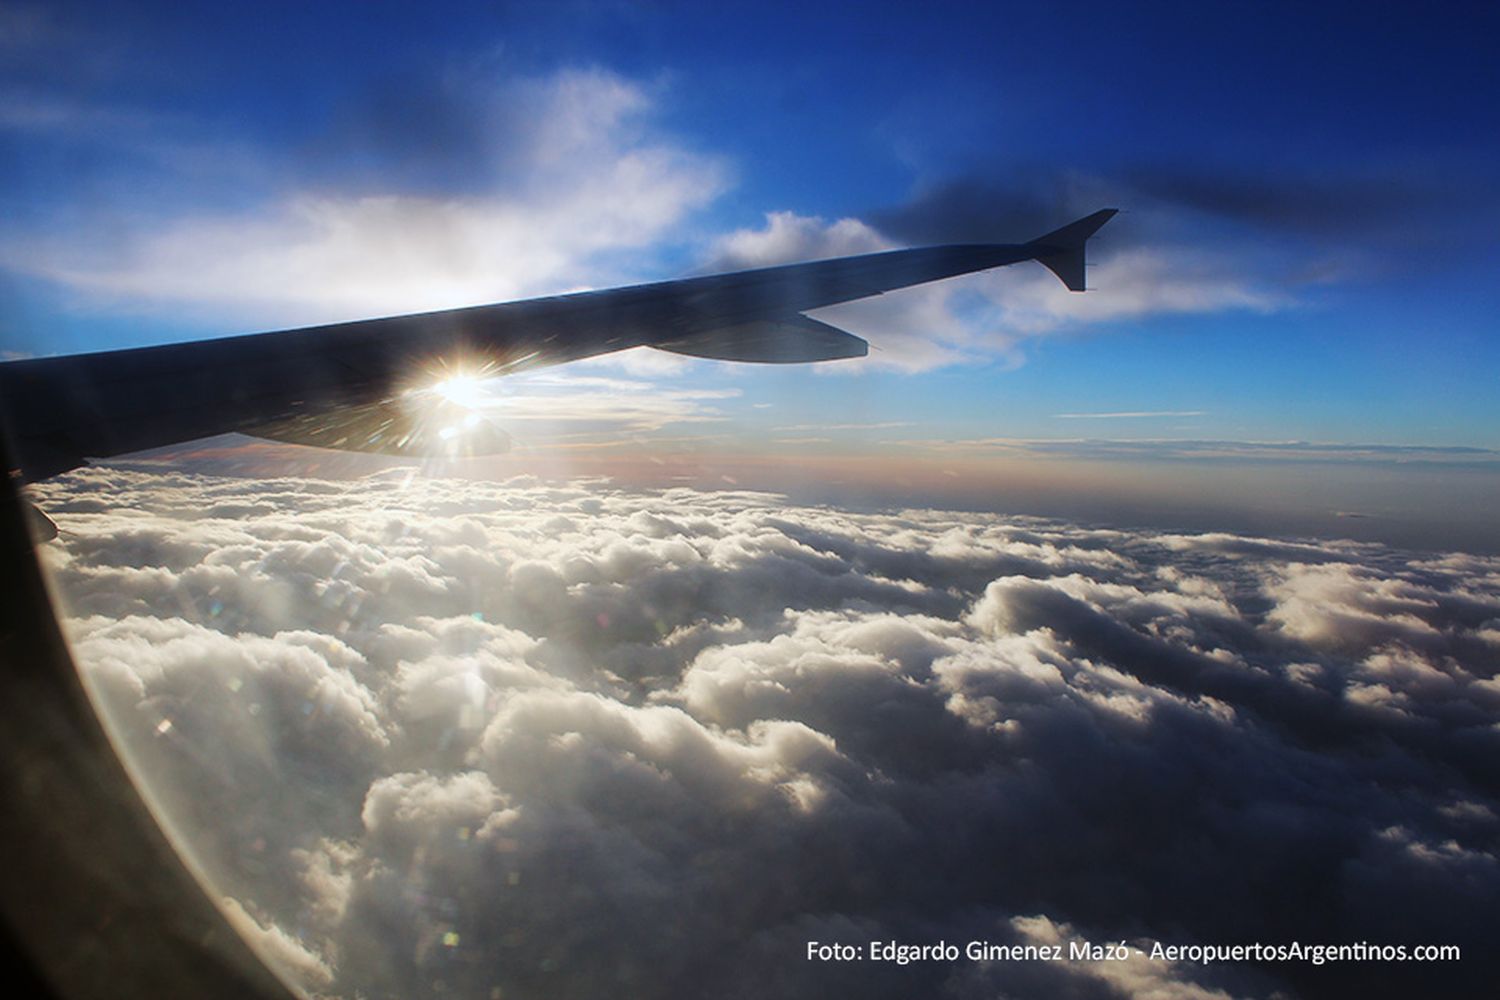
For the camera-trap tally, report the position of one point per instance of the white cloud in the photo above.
(991, 314)
(575, 175)
(788, 237)
(285, 951)
(545, 407)
(1136, 974)
(1125, 285)
(568, 739)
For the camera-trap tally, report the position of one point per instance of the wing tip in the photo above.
(1062, 250)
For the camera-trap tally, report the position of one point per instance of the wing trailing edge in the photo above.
(413, 425)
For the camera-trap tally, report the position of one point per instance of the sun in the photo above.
(465, 389)
(461, 381)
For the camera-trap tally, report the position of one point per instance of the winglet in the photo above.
(1061, 251)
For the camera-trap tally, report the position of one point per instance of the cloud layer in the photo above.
(573, 741)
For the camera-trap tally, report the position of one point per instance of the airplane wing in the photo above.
(359, 385)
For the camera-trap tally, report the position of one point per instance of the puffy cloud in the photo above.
(573, 740)
(788, 236)
(280, 947)
(561, 173)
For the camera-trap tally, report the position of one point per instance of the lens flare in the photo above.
(440, 412)
(464, 389)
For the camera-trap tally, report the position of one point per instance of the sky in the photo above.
(1166, 613)
(1304, 257)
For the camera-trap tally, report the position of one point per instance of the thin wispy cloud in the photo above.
(874, 425)
(548, 404)
(1128, 414)
(1165, 447)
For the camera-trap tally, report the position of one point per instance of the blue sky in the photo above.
(1306, 254)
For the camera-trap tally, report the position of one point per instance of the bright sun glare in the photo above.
(465, 390)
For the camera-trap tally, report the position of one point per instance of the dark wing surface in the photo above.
(349, 385)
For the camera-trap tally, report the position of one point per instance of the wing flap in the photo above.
(792, 340)
(409, 426)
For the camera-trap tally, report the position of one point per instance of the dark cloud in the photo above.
(1400, 217)
(1345, 207)
(1008, 206)
(442, 736)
